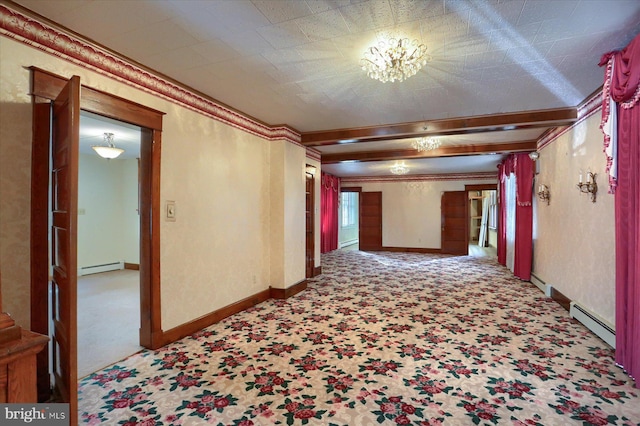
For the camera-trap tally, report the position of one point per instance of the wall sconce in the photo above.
(310, 170)
(543, 193)
(589, 187)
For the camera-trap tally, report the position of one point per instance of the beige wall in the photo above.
(575, 247)
(411, 210)
(217, 251)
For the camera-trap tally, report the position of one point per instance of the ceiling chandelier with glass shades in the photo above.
(395, 59)
(399, 168)
(426, 144)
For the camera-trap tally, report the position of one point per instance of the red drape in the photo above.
(524, 171)
(523, 168)
(624, 89)
(329, 192)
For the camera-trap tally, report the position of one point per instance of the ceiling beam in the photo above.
(447, 126)
(448, 151)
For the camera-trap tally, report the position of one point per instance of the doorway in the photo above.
(482, 220)
(58, 247)
(349, 219)
(108, 243)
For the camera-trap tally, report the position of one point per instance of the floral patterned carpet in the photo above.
(379, 338)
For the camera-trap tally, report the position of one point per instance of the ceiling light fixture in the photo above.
(109, 151)
(426, 144)
(394, 60)
(399, 168)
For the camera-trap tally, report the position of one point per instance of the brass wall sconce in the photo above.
(543, 193)
(590, 186)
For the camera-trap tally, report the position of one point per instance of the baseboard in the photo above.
(132, 266)
(285, 293)
(562, 300)
(317, 271)
(412, 250)
(204, 321)
(594, 322)
(96, 269)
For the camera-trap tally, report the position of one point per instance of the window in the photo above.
(349, 206)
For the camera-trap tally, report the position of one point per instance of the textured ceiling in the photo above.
(297, 62)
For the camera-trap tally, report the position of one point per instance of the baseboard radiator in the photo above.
(94, 269)
(590, 320)
(593, 322)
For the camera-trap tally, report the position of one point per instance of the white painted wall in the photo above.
(574, 249)
(411, 210)
(108, 223)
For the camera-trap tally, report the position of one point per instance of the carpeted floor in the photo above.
(389, 338)
(108, 319)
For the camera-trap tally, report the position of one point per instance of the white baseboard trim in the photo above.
(348, 243)
(95, 269)
(594, 322)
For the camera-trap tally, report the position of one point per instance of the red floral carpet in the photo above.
(389, 338)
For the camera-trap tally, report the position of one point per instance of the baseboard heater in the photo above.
(590, 320)
(106, 267)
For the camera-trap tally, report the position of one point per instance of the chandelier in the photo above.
(399, 168)
(395, 60)
(109, 150)
(426, 144)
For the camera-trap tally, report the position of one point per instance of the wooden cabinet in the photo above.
(18, 364)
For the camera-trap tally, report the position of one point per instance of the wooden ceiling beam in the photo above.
(447, 126)
(448, 151)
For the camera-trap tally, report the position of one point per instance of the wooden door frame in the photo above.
(45, 86)
(310, 239)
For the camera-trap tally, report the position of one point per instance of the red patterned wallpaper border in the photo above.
(55, 41)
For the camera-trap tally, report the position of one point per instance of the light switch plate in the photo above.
(171, 211)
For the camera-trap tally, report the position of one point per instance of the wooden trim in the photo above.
(562, 300)
(481, 187)
(317, 271)
(46, 85)
(204, 321)
(447, 126)
(350, 189)
(446, 151)
(285, 293)
(412, 250)
(132, 266)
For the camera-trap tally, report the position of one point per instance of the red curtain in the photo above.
(523, 168)
(524, 171)
(622, 84)
(329, 192)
